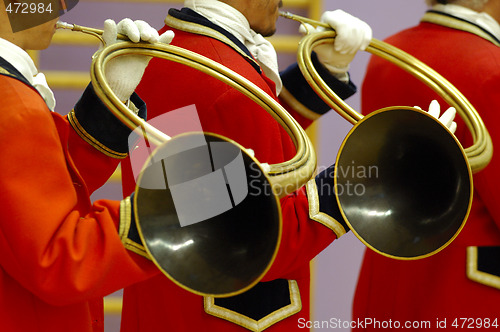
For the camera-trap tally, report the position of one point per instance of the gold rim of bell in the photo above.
(167, 273)
(355, 230)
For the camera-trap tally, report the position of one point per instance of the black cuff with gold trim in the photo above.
(128, 232)
(326, 193)
(133, 233)
(483, 265)
(94, 119)
(297, 85)
(323, 206)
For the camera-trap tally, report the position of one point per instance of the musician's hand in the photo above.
(124, 73)
(353, 35)
(446, 119)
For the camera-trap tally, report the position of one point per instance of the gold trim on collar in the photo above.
(297, 105)
(4, 71)
(316, 215)
(75, 124)
(479, 276)
(7, 73)
(251, 324)
(457, 24)
(199, 29)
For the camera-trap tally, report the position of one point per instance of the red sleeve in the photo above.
(96, 170)
(53, 241)
(302, 239)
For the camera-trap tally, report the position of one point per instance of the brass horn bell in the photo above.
(403, 183)
(205, 227)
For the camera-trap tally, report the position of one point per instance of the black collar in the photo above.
(9, 70)
(185, 19)
(451, 21)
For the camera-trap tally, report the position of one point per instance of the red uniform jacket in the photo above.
(463, 280)
(59, 253)
(283, 296)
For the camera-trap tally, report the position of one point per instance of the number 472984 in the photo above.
(29, 8)
(475, 323)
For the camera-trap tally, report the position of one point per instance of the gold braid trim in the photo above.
(199, 29)
(137, 248)
(125, 219)
(5, 72)
(124, 228)
(479, 276)
(316, 215)
(251, 324)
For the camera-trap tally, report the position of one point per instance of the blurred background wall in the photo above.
(336, 269)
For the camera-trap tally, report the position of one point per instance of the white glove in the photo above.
(125, 73)
(352, 35)
(446, 119)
